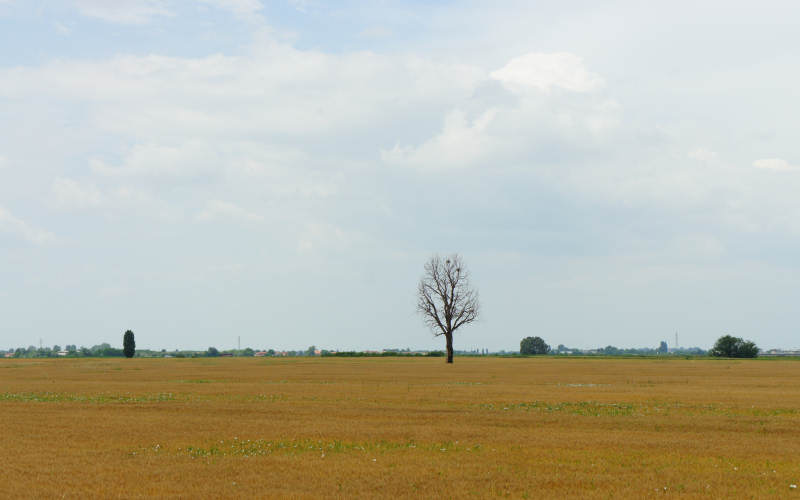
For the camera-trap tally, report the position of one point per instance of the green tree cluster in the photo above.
(729, 346)
(533, 345)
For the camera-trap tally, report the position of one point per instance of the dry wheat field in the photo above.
(389, 427)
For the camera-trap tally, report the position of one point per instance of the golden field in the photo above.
(408, 427)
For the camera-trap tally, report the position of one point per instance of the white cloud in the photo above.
(13, 225)
(237, 7)
(283, 177)
(68, 193)
(322, 236)
(267, 127)
(702, 154)
(134, 202)
(695, 246)
(278, 91)
(375, 32)
(123, 11)
(270, 172)
(461, 143)
(778, 164)
(299, 5)
(217, 210)
(160, 161)
(112, 202)
(62, 29)
(503, 128)
(545, 72)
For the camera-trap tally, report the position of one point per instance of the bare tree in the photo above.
(446, 299)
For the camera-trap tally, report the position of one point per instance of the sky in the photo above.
(197, 171)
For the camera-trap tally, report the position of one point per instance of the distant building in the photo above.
(63, 353)
(260, 354)
(780, 352)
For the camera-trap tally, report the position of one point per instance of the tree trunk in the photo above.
(449, 337)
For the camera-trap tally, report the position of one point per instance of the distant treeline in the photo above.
(621, 351)
(103, 350)
(366, 354)
(106, 350)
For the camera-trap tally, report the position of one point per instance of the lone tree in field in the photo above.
(128, 344)
(728, 346)
(533, 345)
(446, 299)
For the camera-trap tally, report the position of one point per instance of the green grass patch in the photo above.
(586, 408)
(262, 447)
(596, 409)
(60, 397)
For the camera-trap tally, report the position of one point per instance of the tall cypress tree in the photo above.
(128, 344)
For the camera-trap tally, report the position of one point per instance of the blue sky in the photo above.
(280, 171)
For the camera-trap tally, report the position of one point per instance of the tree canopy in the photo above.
(729, 346)
(128, 344)
(533, 345)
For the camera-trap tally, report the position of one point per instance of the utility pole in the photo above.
(676, 340)
(239, 343)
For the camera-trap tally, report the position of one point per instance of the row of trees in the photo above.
(726, 346)
(103, 350)
(96, 351)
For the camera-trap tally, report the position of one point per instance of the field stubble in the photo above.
(399, 427)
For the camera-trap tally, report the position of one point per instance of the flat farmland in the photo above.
(407, 427)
